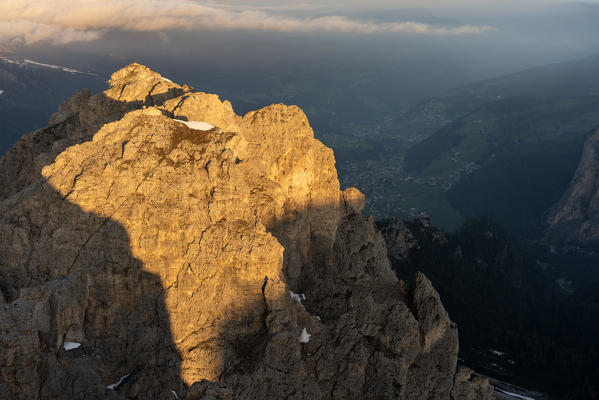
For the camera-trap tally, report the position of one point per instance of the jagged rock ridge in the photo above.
(176, 258)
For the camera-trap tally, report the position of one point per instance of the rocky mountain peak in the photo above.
(156, 245)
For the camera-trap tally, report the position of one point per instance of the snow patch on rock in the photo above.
(71, 345)
(305, 336)
(515, 395)
(116, 385)
(297, 296)
(197, 125)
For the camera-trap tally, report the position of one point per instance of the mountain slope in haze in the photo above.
(155, 244)
(511, 159)
(31, 92)
(408, 170)
(567, 79)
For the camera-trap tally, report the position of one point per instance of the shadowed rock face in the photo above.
(171, 254)
(576, 217)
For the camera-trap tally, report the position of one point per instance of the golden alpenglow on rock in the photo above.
(145, 258)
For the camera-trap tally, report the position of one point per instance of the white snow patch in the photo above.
(168, 80)
(198, 125)
(175, 394)
(116, 385)
(71, 345)
(27, 61)
(497, 352)
(514, 395)
(65, 69)
(297, 296)
(318, 318)
(305, 336)
(1, 91)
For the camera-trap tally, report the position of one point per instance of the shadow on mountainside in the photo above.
(69, 276)
(346, 330)
(365, 342)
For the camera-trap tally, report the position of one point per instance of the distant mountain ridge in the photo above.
(566, 79)
(30, 92)
(462, 149)
(444, 157)
(30, 64)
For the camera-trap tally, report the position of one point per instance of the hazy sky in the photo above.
(62, 21)
(30, 22)
(412, 48)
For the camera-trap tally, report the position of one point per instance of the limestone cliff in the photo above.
(143, 259)
(576, 217)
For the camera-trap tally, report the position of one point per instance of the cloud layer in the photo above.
(63, 21)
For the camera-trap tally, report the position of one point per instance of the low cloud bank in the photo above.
(63, 21)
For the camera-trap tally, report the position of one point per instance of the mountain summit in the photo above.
(155, 245)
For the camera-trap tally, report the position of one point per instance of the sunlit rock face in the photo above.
(146, 258)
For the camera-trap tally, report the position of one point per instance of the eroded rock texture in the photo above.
(217, 264)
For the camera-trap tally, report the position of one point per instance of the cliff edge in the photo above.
(575, 218)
